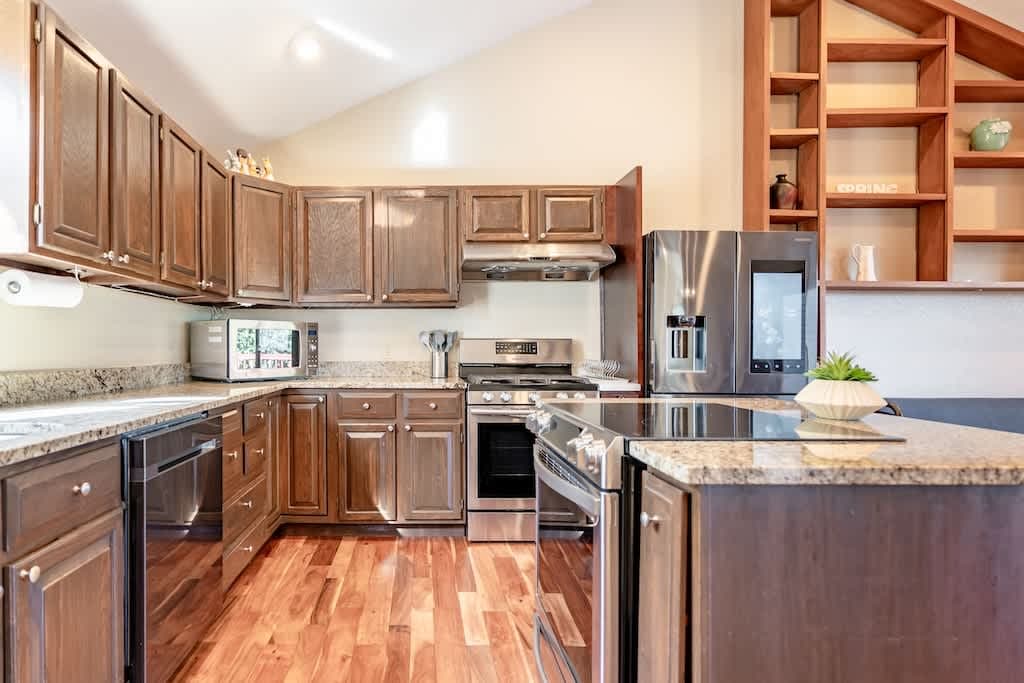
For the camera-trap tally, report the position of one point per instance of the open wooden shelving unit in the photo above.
(937, 31)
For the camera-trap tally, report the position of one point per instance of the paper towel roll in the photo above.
(21, 288)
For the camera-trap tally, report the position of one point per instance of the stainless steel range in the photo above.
(506, 378)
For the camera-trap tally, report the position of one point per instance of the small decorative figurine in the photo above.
(232, 163)
(268, 170)
(991, 135)
(782, 194)
(244, 159)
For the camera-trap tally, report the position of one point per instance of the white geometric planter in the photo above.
(833, 400)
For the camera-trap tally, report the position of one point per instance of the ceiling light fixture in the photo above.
(356, 40)
(306, 48)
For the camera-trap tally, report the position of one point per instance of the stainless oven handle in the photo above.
(502, 412)
(590, 503)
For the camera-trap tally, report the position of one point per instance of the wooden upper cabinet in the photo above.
(570, 214)
(215, 226)
(180, 158)
(74, 171)
(66, 623)
(303, 463)
(495, 214)
(263, 267)
(430, 472)
(366, 456)
(134, 179)
(417, 246)
(334, 246)
(663, 578)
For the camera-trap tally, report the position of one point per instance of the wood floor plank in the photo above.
(374, 609)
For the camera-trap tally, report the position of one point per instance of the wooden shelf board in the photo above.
(785, 216)
(883, 50)
(888, 117)
(849, 200)
(988, 160)
(789, 8)
(967, 235)
(920, 285)
(791, 138)
(989, 91)
(791, 83)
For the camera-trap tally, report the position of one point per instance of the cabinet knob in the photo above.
(107, 256)
(32, 574)
(239, 292)
(258, 451)
(247, 548)
(247, 504)
(369, 297)
(385, 297)
(408, 428)
(83, 489)
(233, 455)
(647, 520)
(391, 428)
(366, 406)
(319, 399)
(432, 405)
(123, 258)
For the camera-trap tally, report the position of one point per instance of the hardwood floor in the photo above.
(375, 609)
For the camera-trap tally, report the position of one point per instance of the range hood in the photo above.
(548, 262)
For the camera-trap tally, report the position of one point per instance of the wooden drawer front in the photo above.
(231, 422)
(245, 509)
(256, 415)
(239, 557)
(368, 406)
(41, 504)
(447, 405)
(256, 454)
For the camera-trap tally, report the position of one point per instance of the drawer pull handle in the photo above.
(259, 416)
(259, 451)
(366, 406)
(247, 548)
(32, 573)
(647, 520)
(432, 405)
(83, 489)
(247, 504)
(233, 455)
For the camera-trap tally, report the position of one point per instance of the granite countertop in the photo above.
(933, 454)
(73, 423)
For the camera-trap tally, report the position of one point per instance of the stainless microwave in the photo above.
(245, 350)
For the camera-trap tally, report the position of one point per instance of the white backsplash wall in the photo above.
(108, 329)
(492, 309)
(933, 345)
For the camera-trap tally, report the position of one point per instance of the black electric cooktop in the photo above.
(668, 420)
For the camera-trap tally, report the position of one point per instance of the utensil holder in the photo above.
(439, 364)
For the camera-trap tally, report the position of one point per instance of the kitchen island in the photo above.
(814, 561)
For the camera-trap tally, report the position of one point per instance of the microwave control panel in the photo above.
(312, 349)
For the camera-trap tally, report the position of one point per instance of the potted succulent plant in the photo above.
(840, 390)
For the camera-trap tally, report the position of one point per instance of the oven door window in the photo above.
(565, 577)
(504, 460)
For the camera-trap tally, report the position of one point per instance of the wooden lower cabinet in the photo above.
(65, 606)
(274, 443)
(366, 472)
(430, 472)
(304, 461)
(664, 526)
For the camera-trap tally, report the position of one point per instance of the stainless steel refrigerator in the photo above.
(730, 312)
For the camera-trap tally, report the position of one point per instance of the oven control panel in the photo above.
(518, 348)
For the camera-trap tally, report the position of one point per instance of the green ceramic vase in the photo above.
(985, 139)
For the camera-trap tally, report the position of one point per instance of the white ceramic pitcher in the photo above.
(864, 256)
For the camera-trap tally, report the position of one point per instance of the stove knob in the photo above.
(561, 394)
(579, 394)
(543, 422)
(594, 453)
(505, 396)
(487, 396)
(533, 397)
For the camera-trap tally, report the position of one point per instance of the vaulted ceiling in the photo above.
(231, 72)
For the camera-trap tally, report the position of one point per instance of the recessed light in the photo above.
(306, 48)
(356, 40)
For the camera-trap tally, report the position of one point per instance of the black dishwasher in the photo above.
(175, 543)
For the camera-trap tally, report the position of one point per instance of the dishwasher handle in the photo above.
(165, 448)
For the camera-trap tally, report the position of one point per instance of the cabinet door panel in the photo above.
(367, 472)
(570, 214)
(430, 478)
(273, 462)
(305, 471)
(179, 198)
(334, 246)
(663, 579)
(67, 624)
(75, 135)
(418, 249)
(215, 231)
(134, 180)
(263, 267)
(495, 214)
